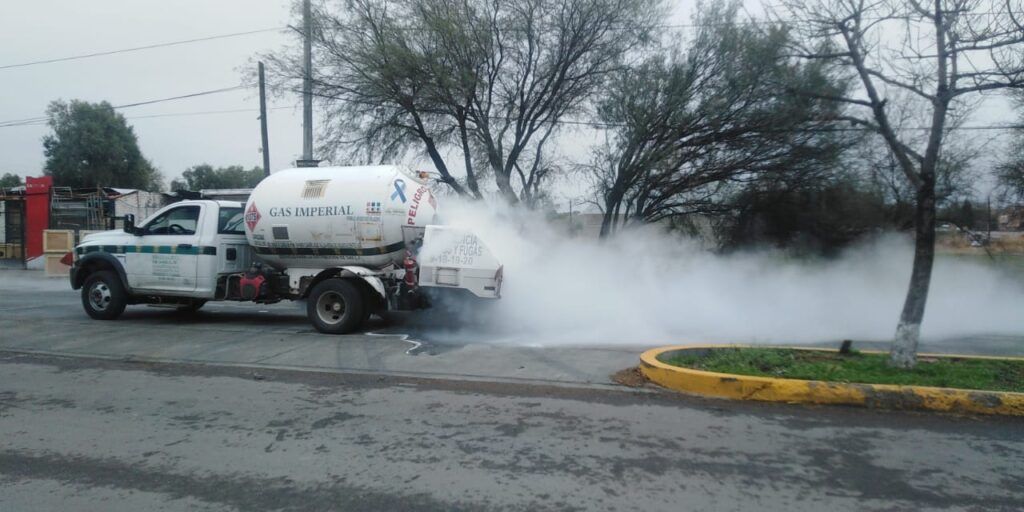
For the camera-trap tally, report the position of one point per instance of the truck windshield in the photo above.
(230, 221)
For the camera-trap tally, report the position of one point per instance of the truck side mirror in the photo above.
(129, 224)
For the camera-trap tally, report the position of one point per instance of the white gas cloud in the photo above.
(644, 287)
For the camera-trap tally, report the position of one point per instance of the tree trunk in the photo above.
(606, 224)
(468, 158)
(611, 205)
(504, 183)
(442, 168)
(904, 346)
(435, 156)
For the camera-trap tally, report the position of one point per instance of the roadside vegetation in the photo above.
(92, 145)
(203, 176)
(9, 180)
(858, 367)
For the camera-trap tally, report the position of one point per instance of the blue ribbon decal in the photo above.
(399, 190)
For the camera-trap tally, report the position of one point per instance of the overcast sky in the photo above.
(47, 29)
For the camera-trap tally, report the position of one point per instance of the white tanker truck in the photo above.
(351, 241)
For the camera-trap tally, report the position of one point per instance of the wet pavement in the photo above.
(45, 316)
(87, 434)
(42, 315)
(245, 407)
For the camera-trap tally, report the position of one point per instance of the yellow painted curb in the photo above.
(743, 387)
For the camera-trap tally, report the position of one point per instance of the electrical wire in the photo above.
(43, 119)
(255, 111)
(140, 48)
(184, 96)
(600, 125)
(206, 113)
(36, 121)
(573, 122)
(275, 29)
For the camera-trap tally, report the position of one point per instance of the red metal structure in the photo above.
(37, 216)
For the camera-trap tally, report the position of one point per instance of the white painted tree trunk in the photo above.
(903, 353)
(904, 345)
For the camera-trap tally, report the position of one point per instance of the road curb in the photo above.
(742, 387)
(339, 371)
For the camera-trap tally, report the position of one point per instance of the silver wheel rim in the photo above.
(330, 307)
(99, 296)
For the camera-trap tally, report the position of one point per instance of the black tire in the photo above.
(386, 316)
(371, 302)
(192, 306)
(103, 295)
(335, 306)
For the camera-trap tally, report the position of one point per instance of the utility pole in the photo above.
(263, 123)
(307, 88)
(988, 219)
(570, 216)
(572, 227)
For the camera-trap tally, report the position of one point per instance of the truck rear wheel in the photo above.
(103, 295)
(335, 306)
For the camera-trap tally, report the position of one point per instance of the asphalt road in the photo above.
(45, 315)
(242, 408)
(86, 434)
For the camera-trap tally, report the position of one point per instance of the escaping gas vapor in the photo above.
(644, 287)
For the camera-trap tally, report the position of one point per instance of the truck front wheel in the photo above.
(103, 295)
(335, 306)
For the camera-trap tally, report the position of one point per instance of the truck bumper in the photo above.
(73, 276)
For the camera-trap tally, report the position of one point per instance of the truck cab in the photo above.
(173, 256)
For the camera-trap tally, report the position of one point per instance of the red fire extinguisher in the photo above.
(410, 265)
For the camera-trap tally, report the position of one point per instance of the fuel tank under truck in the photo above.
(322, 217)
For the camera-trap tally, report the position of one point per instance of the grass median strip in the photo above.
(856, 367)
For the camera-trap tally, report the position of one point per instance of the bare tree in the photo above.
(1010, 170)
(491, 80)
(938, 53)
(686, 125)
(955, 176)
(1010, 176)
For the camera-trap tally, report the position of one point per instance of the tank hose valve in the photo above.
(252, 284)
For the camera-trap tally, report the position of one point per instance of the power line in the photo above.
(598, 124)
(205, 113)
(414, 29)
(664, 26)
(20, 122)
(184, 96)
(43, 119)
(821, 129)
(36, 121)
(140, 48)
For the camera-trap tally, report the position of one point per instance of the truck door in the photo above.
(167, 252)
(233, 252)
